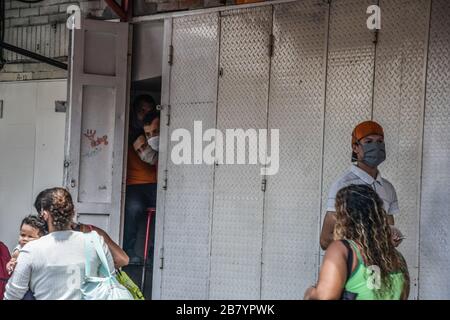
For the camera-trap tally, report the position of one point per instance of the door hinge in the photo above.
(164, 186)
(271, 44)
(161, 258)
(66, 173)
(170, 61)
(168, 115)
(263, 185)
(162, 107)
(375, 37)
(221, 72)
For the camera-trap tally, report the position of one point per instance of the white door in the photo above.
(32, 148)
(184, 202)
(296, 109)
(238, 203)
(98, 99)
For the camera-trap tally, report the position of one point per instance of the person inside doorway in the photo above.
(368, 151)
(141, 169)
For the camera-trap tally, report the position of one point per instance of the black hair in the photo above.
(150, 117)
(35, 222)
(141, 100)
(58, 203)
(135, 127)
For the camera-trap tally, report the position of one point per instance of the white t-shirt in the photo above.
(357, 176)
(53, 267)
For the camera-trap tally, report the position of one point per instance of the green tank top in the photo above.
(358, 282)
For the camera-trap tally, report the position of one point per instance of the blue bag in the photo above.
(100, 288)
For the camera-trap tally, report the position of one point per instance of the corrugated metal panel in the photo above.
(46, 40)
(398, 107)
(296, 108)
(50, 41)
(287, 229)
(238, 198)
(349, 85)
(189, 192)
(435, 218)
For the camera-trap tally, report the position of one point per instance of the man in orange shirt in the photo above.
(141, 170)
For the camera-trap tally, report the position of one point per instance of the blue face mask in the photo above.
(374, 153)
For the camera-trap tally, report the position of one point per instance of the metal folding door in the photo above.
(238, 198)
(224, 237)
(296, 108)
(349, 85)
(193, 91)
(398, 106)
(435, 219)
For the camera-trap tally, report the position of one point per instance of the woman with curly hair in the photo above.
(362, 262)
(53, 266)
(120, 258)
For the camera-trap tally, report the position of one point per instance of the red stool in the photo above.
(150, 215)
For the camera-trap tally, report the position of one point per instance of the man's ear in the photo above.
(356, 150)
(44, 215)
(355, 147)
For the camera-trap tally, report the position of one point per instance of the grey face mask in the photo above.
(374, 153)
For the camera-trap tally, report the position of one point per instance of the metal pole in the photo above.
(117, 9)
(150, 212)
(33, 55)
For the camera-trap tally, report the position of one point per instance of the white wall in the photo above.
(147, 50)
(31, 148)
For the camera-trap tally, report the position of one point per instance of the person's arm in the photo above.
(144, 151)
(18, 284)
(15, 254)
(392, 210)
(326, 236)
(391, 220)
(406, 287)
(109, 258)
(11, 265)
(397, 236)
(333, 274)
(119, 256)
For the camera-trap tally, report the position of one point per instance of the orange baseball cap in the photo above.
(365, 129)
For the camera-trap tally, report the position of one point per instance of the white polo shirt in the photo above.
(358, 176)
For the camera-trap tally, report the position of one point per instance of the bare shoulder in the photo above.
(336, 250)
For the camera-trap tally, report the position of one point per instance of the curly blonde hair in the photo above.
(58, 203)
(360, 217)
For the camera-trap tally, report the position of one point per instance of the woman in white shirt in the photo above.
(53, 267)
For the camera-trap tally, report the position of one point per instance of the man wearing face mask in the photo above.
(151, 137)
(141, 172)
(368, 151)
